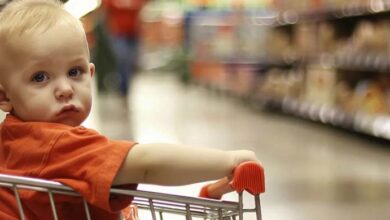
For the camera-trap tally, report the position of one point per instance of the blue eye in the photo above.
(74, 72)
(39, 77)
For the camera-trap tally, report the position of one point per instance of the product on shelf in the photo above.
(319, 85)
(281, 83)
(344, 97)
(305, 39)
(368, 38)
(284, 5)
(223, 42)
(326, 38)
(240, 79)
(277, 44)
(161, 34)
(370, 97)
(210, 73)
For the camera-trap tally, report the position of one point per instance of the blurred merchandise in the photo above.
(327, 42)
(325, 60)
(319, 86)
(278, 44)
(344, 97)
(225, 47)
(368, 37)
(161, 34)
(370, 97)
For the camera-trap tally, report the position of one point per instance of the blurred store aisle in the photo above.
(312, 171)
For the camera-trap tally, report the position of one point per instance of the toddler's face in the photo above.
(51, 77)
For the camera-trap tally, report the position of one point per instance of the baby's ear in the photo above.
(92, 69)
(5, 103)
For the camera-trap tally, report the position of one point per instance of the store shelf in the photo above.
(330, 55)
(354, 62)
(374, 125)
(362, 62)
(264, 64)
(350, 10)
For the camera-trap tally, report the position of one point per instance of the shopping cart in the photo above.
(248, 176)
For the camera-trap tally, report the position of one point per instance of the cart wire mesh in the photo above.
(156, 203)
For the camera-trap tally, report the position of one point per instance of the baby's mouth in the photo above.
(68, 108)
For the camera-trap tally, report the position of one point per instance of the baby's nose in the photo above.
(64, 91)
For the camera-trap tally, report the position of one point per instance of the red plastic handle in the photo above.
(247, 176)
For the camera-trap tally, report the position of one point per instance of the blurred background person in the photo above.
(122, 20)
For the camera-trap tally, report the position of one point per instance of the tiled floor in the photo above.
(313, 172)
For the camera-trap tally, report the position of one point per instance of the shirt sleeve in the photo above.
(88, 162)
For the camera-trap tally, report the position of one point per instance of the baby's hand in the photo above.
(244, 155)
(246, 174)
(240, 156)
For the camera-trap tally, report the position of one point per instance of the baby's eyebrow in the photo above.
(80, 60)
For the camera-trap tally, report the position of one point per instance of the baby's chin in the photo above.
(70, 121)
(71, 118)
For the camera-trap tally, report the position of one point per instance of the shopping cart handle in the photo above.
(247, 176)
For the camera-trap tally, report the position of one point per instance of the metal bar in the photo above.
(220, 214)
(170, 204)
(195, 213)
(176, 198)
(161, 215)
(41, 189)
(34, 182)
(161, 205)
(188, 212)
(18, 202)
(258, 207)
(240, 206)
(86, 207)
(152, 210)
(52, 205)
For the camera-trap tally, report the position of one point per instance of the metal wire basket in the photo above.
(249, 177)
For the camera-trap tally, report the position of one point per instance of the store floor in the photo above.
(313, 172)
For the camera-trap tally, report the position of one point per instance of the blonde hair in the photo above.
(23, 17)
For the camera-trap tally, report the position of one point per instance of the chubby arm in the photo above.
(167, 164)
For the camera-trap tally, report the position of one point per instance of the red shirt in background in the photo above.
(123, 16)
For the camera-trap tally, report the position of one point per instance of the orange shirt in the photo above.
(75, 156)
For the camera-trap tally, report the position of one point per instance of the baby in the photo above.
(45, 88)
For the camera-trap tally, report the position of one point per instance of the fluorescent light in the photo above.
(80, 8)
